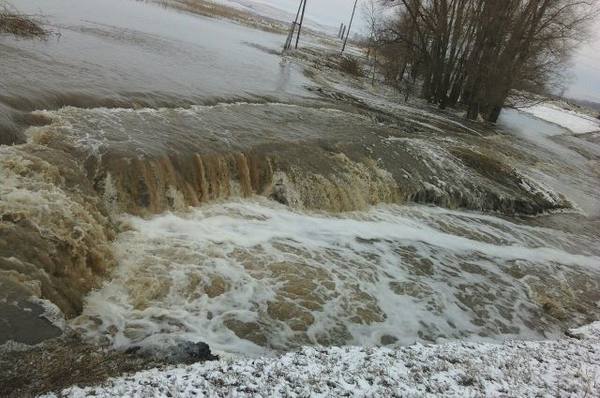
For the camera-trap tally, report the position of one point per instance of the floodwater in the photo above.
(181, 175)
(252, 276)
(570, 161)
(127, 52)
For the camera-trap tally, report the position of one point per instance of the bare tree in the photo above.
(371, 14)
(475, 52)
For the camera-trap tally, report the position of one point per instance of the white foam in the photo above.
(299, 278)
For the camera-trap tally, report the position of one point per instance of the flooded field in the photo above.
(571, 160)
(142, 55)
(176, 179)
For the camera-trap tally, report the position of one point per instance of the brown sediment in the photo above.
(151, 186)
(573, 297)
(58, 200)
(147, 186)
(311, 175)
(54, 231)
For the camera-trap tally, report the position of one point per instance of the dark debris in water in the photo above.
(20, 25)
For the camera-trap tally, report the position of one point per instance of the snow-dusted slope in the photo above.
(568, 367)
(576, 122)
(284, 11)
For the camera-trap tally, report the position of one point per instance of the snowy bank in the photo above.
(578, 123)
(567, 367)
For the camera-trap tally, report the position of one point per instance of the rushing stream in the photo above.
(248, 275)
(175, 180)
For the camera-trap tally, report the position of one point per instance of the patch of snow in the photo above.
(576, 122)
(283, 11)
(537, 188)
(591, 331)
(567, 367)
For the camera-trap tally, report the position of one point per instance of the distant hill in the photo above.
(595, 106)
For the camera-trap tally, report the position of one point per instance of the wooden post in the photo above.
(300, 26)
(350, 25)
(288, 42)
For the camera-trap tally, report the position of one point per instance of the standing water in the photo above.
(129, 52)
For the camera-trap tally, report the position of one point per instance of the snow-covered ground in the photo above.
(576, 122)
(280, 10)
(567, 367)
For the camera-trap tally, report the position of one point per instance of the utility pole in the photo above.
(343, 32)
(301, 20)
(288, 42)
(340, 31)
(349, 26)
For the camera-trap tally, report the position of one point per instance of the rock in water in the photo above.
(22, 319)
(185, 352)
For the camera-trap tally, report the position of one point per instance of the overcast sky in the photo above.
(586, 68)
(586, 62)
(329, 12)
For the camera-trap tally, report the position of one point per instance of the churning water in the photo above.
(129, 92)
(249, 276)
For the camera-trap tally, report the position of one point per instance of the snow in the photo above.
(568, 367)
(576, 122)
(591, 331)
(282, 10)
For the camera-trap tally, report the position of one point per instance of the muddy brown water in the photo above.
(183, 184)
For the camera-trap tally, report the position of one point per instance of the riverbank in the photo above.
(56, 364)
(566, 367)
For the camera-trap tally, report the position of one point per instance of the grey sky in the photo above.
(585, 66)
(328, 12)
(586, 69)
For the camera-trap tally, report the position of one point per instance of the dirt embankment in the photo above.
(60, 363)
(16, 24)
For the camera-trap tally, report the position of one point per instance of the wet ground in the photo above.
(62, 362)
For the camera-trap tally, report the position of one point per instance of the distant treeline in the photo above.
(595, 106)
(474, 52)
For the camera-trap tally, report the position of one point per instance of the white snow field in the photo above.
(561, 368)
(576, 122)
